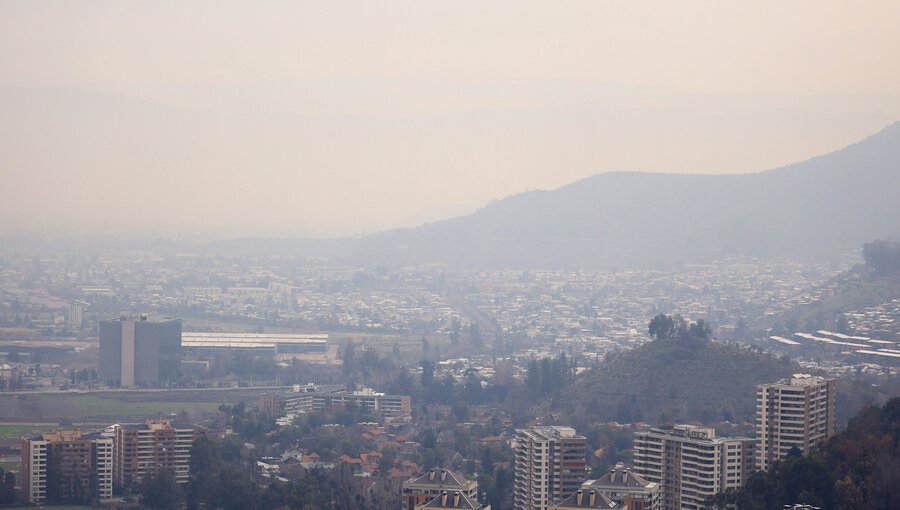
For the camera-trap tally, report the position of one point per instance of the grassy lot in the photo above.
(10, 466)
(56, 507)
(112, 406)
(14, 432)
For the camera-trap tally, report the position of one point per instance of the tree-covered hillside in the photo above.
(681, 375)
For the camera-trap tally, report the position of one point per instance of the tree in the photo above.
(429, 440)
(882, 257)
(662, 327)
(475, 334)
(205, 463)
(700, 330)
(7, 487)
(427, 373)
(160, 491)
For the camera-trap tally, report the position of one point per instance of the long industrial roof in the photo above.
(250, 340)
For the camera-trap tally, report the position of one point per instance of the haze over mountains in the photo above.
(819, 207)
(826, 205)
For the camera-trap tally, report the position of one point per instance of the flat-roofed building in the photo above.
(690, 463)
(145, 448)
(798, 412)
(65, 466)
(275, 343)
(549, 466)
(143, 350)
(313, 398)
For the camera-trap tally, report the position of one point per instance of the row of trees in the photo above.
(665, 327)
(549, 375)
(222, 477)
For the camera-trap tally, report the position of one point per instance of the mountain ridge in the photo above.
(824, 204)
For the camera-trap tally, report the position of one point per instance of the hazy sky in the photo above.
(334, 118)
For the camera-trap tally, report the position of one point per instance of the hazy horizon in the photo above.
(224, 119)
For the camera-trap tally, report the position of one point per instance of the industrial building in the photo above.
(269, 343)
(66, 467)
(690, 463)
(792, 413)
(549, 466)
(139, 350)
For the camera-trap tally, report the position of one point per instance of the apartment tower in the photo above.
(550, 466)
(792, 413)
(690, 463)
(66, 467)
(144, 448)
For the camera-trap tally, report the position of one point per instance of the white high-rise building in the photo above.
(550, 466)
(690, 463)
(83, 467)
(792, 413)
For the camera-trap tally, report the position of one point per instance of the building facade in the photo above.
(549, 466)
(139, 351)
(625, 488)
(66, 467)
(690, 463)
(145, 448)
(268, 343)
(436, 482)
(587, 498)
(453, 499)
(792, 413)
(315, 398)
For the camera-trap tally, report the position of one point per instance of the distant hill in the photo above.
(853, 290)
(663, 382)
(816, 208)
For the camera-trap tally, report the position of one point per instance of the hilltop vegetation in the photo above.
(682, 375)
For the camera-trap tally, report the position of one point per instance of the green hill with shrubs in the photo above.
(680, 376)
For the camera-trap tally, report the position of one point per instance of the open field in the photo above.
(14, 432)
(19, 333)
(114, 406)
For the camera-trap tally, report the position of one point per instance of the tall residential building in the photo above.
(66, 467)
(424, 489)
(550, 466)
(690, 463)
(797, 412)
(144, 448)
(76, 313)
(139, 351)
